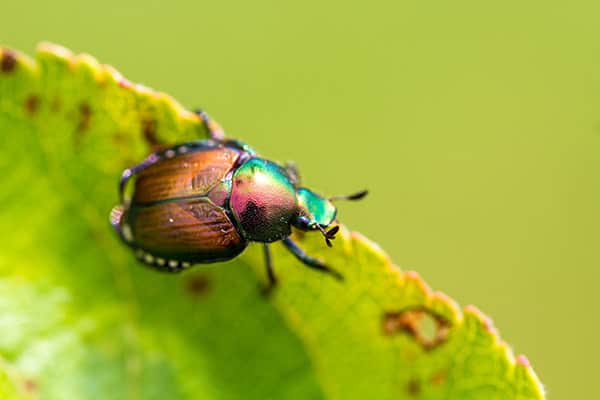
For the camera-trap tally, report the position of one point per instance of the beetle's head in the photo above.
(317, 213)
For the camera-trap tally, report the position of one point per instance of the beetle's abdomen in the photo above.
(193, 230)
(186, 175)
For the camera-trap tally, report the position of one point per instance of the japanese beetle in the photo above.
(204, 201)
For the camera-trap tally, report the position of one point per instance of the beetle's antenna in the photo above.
(354, 196)
(329, 235)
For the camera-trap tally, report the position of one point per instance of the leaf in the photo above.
(8, 390)
(84, 320)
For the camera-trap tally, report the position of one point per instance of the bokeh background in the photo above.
(476, 127)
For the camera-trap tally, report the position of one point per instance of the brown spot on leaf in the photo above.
(30, 386)
(438, 378)
(428, 329)
(413, 387)
(118, 138)
(32, 103)
(149, 127)
(55, 105)
(85, 116)
(197, 285)
(9, 61)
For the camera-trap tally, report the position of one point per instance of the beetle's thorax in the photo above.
(263, 200)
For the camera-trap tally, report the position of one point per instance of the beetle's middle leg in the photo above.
(214, 129)
(309, 261)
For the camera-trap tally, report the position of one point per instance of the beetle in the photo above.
(204, 201)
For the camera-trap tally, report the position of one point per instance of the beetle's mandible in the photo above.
(204, 201)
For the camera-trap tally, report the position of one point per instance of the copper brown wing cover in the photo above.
(171, 216)
(188, 229)
(186, 175)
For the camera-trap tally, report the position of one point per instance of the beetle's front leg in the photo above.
(270, 273)
(214, 129)
(309, 261)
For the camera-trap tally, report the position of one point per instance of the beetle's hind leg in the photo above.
(214, 129)
(270, 272)
(309, 261)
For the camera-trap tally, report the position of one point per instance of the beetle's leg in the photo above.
(270, 273)
(130, 172)
(308, 260)
(214, 129)
(292, 170)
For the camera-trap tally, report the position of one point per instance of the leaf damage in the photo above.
(417, 323)
(9, 61)
(198, 285)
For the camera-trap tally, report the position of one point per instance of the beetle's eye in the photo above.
(303, 222)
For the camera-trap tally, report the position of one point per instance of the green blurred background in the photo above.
(475, 126)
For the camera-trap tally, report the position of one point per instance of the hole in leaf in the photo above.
(428, 329)
(427, 326)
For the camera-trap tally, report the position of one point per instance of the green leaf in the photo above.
(8, 388)
(80, 318)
